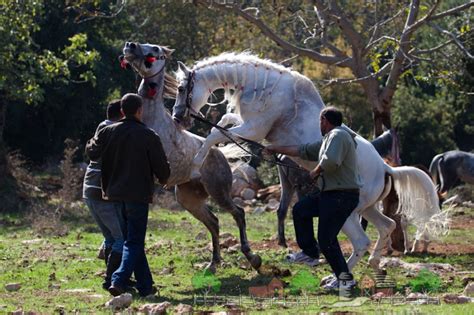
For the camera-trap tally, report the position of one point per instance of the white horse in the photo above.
(283, 107)
(181, 146)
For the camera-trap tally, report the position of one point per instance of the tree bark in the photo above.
(390, 206)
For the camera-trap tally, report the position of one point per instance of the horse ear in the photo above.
(183, 67)
(167, 51)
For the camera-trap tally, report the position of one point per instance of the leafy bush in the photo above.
(303, 282)
(268, 174)
(425, 281)
(206, 281)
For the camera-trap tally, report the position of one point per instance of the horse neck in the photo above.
(218, 76)
(155, 115)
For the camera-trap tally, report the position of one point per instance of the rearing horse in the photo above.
(181, 146)
(283, 107)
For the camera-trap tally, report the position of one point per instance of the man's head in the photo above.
(113, 110)
(132, 105)
(329, 118)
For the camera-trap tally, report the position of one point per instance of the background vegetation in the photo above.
(59, 69)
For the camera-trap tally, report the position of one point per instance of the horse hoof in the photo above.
(374, 262)
(282, 244)
(255, 262)
(211, 268)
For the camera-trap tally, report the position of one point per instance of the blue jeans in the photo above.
(333, 208)
(109, 217)
(133, 257)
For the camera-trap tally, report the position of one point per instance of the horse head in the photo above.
(146, 59)
(188, 99)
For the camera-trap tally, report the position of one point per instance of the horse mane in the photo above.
(245, 57)
(170, 86)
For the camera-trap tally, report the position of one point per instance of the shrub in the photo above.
(425, 281)
(268, 174)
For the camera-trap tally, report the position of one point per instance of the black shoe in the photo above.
(114, 261)
(152, 291)
(116, 290)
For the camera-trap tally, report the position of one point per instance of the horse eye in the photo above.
(156, 49)
(180, 89)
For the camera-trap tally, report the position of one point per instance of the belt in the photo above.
(347, 190)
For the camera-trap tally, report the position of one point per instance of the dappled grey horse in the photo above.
(181, 146)
(450, 168)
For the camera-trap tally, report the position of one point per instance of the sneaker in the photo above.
(302, 258)
(346, 285)
(331, 284)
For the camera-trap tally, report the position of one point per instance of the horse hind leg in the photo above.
(385, 227)
(360, 241)
(192, 197)
(406, 239)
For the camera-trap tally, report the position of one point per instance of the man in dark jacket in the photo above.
(107, 214)
(131, 153)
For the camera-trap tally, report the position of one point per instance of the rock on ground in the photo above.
(247, 194)
(451, 298)
(183, 309)
(154, 308)
(415, 267)
(469, 289)
(119, 302)
(13, 287)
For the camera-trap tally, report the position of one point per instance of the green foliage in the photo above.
(425, 124)
(206, 281)
(268, 174)
(303, 282)
(425, 281)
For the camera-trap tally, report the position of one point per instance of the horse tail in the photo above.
(418, 200)
(435, 173)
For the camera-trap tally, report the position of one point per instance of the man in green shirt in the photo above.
(338, 179)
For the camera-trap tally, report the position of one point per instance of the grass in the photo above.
(53, 269)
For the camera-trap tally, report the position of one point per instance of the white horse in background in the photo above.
(181, 146)
(283, 107)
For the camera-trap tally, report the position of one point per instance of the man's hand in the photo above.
(269, 150)
(315, 172)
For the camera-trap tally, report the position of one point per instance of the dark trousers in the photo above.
(133, 256)
(333, 208)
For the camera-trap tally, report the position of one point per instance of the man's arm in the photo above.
(159, 162)
(309, 151)
(291, 150)
(334, 154)
(95, 145)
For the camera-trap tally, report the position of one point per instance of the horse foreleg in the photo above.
(287, 191)
(192, 197)
(360, 241)
(239, 217)
(385, 227)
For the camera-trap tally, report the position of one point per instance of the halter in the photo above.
(189, 96)
(146, 59)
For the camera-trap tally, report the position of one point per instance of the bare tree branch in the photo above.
(267, 31)
(85, 15)
(396, 70)
(374, 75)
(454, 38)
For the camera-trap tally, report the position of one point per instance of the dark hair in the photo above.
(131, 102)
(113, 110)
(333, 115)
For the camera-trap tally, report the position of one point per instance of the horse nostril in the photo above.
(133, 46)
(176, 119)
